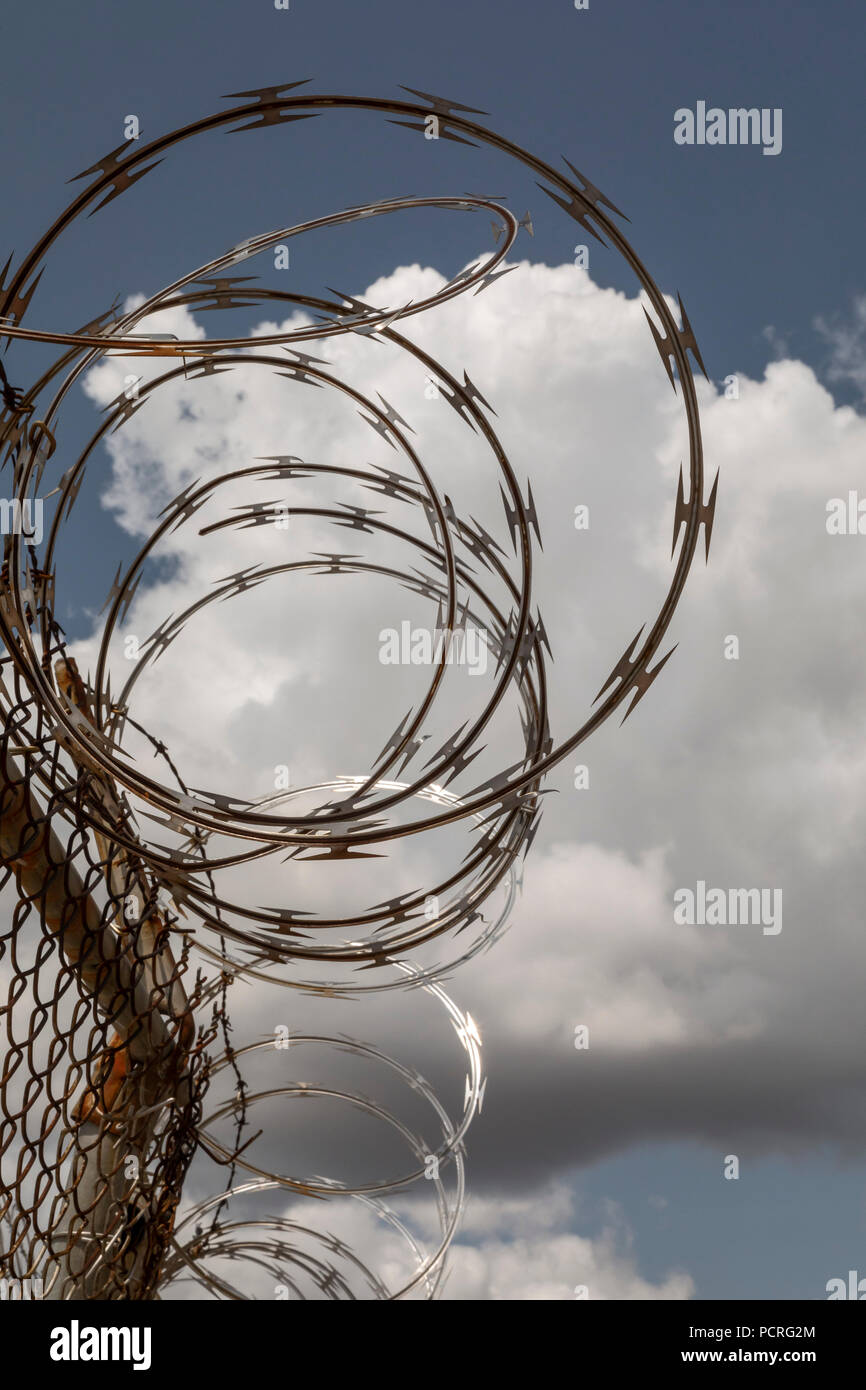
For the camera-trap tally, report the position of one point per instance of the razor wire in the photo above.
(123, 943)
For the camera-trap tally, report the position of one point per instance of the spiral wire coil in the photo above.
(123, 945)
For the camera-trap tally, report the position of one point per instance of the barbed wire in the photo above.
(109, 1042)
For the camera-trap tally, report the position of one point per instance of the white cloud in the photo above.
(508, 1249)
(745, 773)
(722, 756)
(846, 340)
(516, 1249)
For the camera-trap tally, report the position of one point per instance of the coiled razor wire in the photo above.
(109, 1037)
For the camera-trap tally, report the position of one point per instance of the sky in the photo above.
(604, 1167)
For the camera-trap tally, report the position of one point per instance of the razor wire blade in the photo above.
(87, 831)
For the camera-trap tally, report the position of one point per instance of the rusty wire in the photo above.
(122, 946)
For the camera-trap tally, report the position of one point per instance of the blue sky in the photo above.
(752, 243)
(759, 248)
(748, 240)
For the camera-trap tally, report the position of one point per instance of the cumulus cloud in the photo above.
(520, 1251)
(508, 1250)
(846, 341)
(740, 772)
